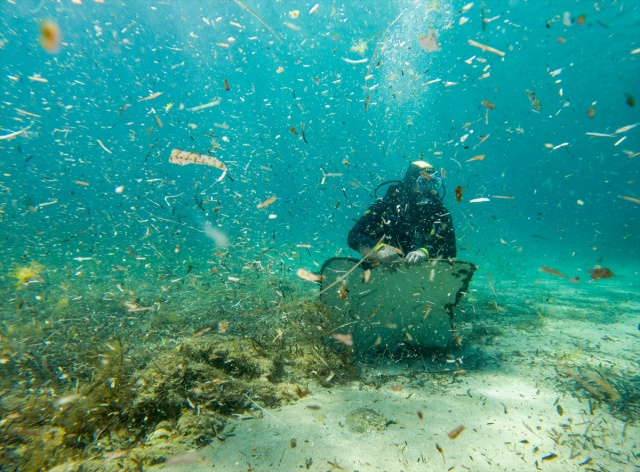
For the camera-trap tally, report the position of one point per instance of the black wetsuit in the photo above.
(407, 223)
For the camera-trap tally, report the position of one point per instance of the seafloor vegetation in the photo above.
(128, 372)
(104, 377)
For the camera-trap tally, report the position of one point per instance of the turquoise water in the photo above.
(90, 202)
(113, 56)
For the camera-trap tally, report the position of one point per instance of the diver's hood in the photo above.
(417, 195)
(414, 170)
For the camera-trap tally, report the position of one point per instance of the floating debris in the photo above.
(291, 26)
(624, 129)
(27, 113)
(150, 97)
(455, 432)
(213, 103)
(482, 139)
(429, 41)
(557, 273)
(630, 199)
(343, 338)
(629, 100)
(38, 78)
(355, 61)
(479, 200)
(267, 202)
(493, 289)
(50, 36)
(183, 158)
(15, 133)
(600, 273)
(484, 47)
(219, 237)
(309, 276)
(104, 147)
(258, 17)
(535, 103)
(367, 101)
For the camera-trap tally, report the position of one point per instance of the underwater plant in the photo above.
(28, 274)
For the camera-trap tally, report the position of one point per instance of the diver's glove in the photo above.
(417, 257)
(385, 255)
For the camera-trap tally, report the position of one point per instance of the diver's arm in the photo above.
(367, 231)
(359, 238)
(437, 239)
(444, 242)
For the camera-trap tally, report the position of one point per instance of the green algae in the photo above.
(90, 382)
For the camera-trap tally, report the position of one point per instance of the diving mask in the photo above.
(430, 184)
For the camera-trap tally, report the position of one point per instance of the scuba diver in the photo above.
(411, 221)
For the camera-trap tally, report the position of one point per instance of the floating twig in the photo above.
(16, 133)
(257, 17)
(484, 47)
(493, 289)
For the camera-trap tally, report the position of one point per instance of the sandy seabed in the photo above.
(550, 382)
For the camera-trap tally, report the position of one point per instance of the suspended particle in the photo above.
(50, 36)
(458, 194)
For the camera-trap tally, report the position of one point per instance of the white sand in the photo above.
(507, 400)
